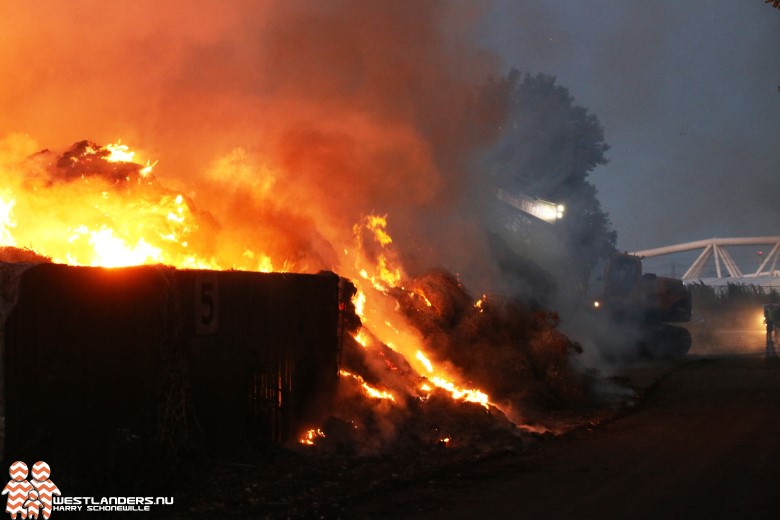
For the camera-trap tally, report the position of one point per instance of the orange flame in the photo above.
(311, 436)
(424, 360)
(119, 153)
(459, 394)
(96, 207)
(395, 334)
(107, 210)
(419, 294)
(362, 338)
(7, 222)
(370, 390)
(360, 301)
(383, 276)
(378, 225)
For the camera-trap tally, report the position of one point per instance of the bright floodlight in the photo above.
(539, 208)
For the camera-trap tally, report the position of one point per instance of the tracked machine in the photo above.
(646, 307)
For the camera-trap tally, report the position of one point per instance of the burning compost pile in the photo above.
(297, 137)
(511, 362)
(423, 361)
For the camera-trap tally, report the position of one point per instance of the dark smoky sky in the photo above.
(372, 100)
(688, 95)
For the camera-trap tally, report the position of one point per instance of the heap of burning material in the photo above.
(392, 408)
(422, 360)
(513, 353)
(93, 205)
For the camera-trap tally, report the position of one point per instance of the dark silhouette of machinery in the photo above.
(646, 305)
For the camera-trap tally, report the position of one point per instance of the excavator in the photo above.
(647, 305)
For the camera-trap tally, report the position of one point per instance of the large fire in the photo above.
(384, 276)
(97, 206)
(341, 148)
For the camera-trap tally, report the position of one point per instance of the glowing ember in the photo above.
(311, 436)
(535, 428)
(420, 294)
(370, 390)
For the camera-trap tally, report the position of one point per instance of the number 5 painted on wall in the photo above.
(206, 304)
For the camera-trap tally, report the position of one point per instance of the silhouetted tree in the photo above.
(548, 148)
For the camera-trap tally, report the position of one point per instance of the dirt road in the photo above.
(705, 443)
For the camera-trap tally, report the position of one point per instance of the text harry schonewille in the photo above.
(104, 504)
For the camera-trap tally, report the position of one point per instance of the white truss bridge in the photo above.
(727, 271)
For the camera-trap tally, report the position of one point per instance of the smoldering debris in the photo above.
(384, 406)
(508, 347)
(511, 351)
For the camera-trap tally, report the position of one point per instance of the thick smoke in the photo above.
(293, 116)
(688, 96)
(290, 123)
